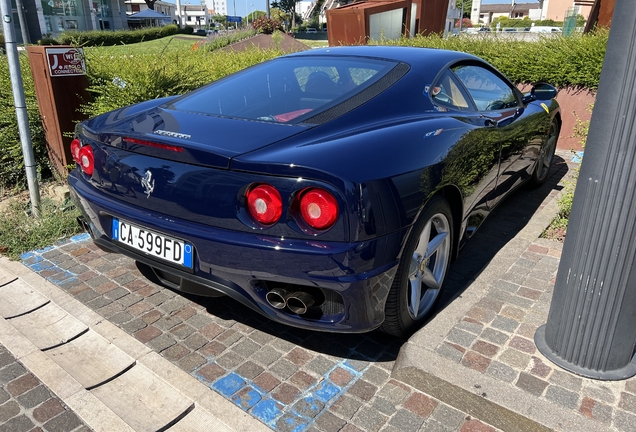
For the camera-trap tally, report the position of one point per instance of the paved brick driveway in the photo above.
(290, 379)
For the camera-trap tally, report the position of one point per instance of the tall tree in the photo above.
(287, 6)
(468, 5)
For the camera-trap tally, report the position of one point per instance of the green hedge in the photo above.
(118, 37)
(12, 173)
(119, 78)
(140, 77)
(573, 61)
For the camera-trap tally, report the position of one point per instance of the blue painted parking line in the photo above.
(38, 264)
(297, 415)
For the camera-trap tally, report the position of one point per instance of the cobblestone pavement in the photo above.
(296, 380)
(27, 405)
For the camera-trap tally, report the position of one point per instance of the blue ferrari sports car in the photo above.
(327, 190)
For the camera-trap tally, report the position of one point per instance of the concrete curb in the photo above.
(211, 411)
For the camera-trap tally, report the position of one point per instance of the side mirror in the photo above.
(541, 91)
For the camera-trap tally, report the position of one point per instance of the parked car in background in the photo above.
(311, 30)
(327, 190)
(545, 29)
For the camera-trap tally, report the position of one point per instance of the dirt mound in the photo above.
(263, 41)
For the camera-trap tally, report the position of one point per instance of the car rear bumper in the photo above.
(349, 282)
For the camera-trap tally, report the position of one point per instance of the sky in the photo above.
(245, 5)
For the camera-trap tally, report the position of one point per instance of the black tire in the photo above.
(407, 309)
(546, 156)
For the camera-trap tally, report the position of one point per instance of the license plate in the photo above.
(153, 243)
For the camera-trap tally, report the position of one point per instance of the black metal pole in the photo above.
(591, 327)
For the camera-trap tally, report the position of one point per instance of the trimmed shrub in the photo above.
(223, 40)
(119, 76)
(573, 61)
(48, 41)
(140, 77)
(266, 25)
(12, 171)
(118, 37)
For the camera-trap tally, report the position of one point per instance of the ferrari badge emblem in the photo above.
(148, 183)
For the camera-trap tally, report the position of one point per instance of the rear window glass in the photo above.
(286, 90)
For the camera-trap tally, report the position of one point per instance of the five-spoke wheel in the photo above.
(420, 275)
(546, 155)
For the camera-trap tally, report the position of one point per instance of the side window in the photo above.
(489, 92)
(447, 92)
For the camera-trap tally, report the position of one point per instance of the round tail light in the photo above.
(264, 203)
(75, 149)
(318, 208)
(86, 159)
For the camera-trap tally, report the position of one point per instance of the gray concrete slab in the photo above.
(48, 326)
(142, 400)
(18, 298)
(6, 277)
(91, 359)
(199, 420)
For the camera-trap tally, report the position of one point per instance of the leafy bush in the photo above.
(12, 171)
(48, 41)
(118, 37)
(140, 77)
(266, 25)
(466, 23)
(506, 22)
(187, 30)
(574, 61)
(549, 23)
(119, 76)
(223, 40)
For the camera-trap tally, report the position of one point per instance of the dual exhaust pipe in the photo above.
(297, 302)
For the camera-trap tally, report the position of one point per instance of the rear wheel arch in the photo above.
(454, 198)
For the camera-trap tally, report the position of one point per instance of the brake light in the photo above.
(318, 208)
(154, 144)
(75, 149)
(86, 159)
(264, 203)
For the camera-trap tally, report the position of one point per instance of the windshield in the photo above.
(286, 90)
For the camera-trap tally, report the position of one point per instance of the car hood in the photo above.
(201, 139)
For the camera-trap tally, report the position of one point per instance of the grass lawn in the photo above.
(168, 43)
(313, 43)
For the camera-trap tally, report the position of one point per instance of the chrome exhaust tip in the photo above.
(299, 302)
(277, 298)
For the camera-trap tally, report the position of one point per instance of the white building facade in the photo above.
(217, 7)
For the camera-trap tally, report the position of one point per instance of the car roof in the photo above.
(431, 58)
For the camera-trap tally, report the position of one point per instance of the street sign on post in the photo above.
(59, 78)
(234, 19)
(65, 61)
